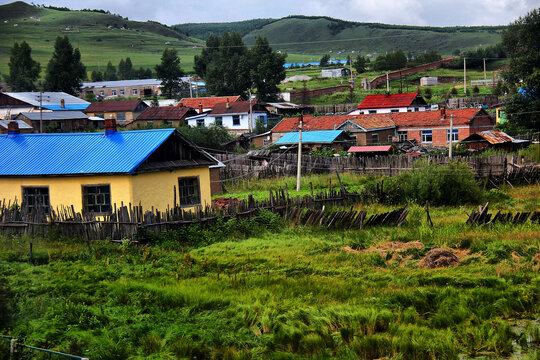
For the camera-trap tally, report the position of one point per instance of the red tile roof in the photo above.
(387, 101)
(332, 122)
(208, 102)
(165, 113)
(113, 106)
(238, 107)
(434, 118)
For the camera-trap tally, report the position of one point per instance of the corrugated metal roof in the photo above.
(78, 153)
(379, 148)
(55, 115)
(22, 124)
(120, 83)
(325, 136)
(387, 101)
(496, 137)
(115, 106)
(49, 99)
(68, 107)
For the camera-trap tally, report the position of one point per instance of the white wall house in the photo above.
(391, 103)
(233, 116)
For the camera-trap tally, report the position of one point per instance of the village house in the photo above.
(337, 140)
(56, 121)
(13, 103)
(124, 111)
(367, 129)
(433, 127)
(171, 116)
(287, 108)
(121, 88)
(493, 139)
(205, 104)
(95, 172)
(237, 117)
(391, 103)
(16, 125)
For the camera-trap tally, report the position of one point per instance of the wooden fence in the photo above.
(267, 164)
(131, 222)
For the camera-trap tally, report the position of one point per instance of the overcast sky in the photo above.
(407, 12)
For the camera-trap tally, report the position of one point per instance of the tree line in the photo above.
(125, 72)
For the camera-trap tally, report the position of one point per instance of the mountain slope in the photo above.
(101, 37)
(320, 34)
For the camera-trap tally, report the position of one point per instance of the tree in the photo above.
(155, 101)
(65, 71)
(521, 41)
(125, 69)
(23, 70)
(360, 64)
(97, 75)
(110, 72)
(324, 60)
(267, 70)
(169, 71)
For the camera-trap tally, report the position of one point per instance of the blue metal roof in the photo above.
(67, 107)
(323, 136)
(78, 153)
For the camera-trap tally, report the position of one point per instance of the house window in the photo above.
(416, 109)
(427, 136)
(101, 116)
(135, 92)
(454, 135)
(101, 93)
(96, 198)
(265, 142)
(121, 116)
(389, 138)
(190, 193)
(122, 93)
(402, 135)
(200, 122)
(149, 124)
(372, 111)
(394, 110)
(218, 121)
(409, 110)
(374, 138)
(236, 120)
(114, 92)
(36, 197)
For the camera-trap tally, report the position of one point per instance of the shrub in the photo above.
(6, 303)
(450, 184)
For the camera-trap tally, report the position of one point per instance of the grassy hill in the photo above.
(99, 36)
(319, 34)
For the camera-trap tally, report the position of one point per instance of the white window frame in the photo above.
(425, 134)
(455, 135)
(135, 91)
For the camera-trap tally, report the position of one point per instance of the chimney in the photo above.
(180, 105)
(228, 105)
(62, 103)
(13, 128)
(443, 112)
(301, 121)
(110, 126)
(200, 108)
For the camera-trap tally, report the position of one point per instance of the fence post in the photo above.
(12, 347)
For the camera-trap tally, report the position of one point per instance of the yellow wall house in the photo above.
(95, 171)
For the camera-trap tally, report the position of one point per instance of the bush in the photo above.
(451, 184)
(6, 303)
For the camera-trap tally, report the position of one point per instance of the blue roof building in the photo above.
(337, 139)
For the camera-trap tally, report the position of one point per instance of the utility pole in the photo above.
(40, 98)
(451, 136)
(299, 166)
(250, 112)
(190, 87)
(465, 76)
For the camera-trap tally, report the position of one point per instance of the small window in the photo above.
(36, 197)
(236, 120)
(97, 198)
(135, 92)
(101, 93)
(149, 123)
(427, 136)
(409, 110)
(402, 135)
(416, 109)
(122, 93)
(121, 116)
(190, 193)
(114, 92)
(218, 121)
(374, 138)
(394, 110)
(389, 138)
(454, 135)
(265, 142)
(372, 111)
(101, 116)
(200, 122)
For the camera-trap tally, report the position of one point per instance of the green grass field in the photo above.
(261, 289)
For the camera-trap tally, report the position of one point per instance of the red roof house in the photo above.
(169, 115)
(391, 103)
(208, 103)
